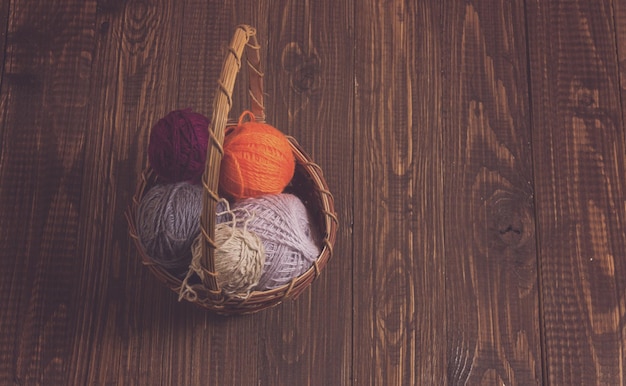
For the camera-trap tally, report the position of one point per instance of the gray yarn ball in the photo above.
(168, 221)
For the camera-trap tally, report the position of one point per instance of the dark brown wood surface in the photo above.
(476, 151)
(490, 251)
(398, 260)
(578, 154)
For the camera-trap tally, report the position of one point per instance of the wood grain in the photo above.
(476, 151)
(45, 87)
(213, 342)
(578, 151)
(125, 331)
(399, 316)
(4, 32)
(619, 14)
(310, 95)
(491, 293)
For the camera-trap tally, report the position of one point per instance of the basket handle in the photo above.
(243, 38)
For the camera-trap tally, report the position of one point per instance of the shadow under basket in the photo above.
(308, 184)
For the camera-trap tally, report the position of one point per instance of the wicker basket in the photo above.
(308, 184)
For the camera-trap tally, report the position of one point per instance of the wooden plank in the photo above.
(124, 334)
(310, 95)
(491, 276)
(579, 153)
(222, 351)
(399, 268)
(4, 25)
(620, 267)
(45, 89)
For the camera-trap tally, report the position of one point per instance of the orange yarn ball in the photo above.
(257, 160)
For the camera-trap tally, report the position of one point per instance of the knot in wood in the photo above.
(303, 68)
(510, 219)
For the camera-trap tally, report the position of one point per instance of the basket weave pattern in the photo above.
(308, 183)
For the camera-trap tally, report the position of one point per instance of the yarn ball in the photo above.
(168, 221)
(178, 146)
(257, 160)
(238, 259)
(282, 223)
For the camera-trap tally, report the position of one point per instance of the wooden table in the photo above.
(476, 151)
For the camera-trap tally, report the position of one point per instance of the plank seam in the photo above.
(531, 118)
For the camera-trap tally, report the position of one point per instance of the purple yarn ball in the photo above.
(283, 224)
(178, 146)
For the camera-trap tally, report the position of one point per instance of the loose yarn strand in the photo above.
(186, 291)
(239, 258)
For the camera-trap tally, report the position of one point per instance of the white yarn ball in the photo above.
(239, 258)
